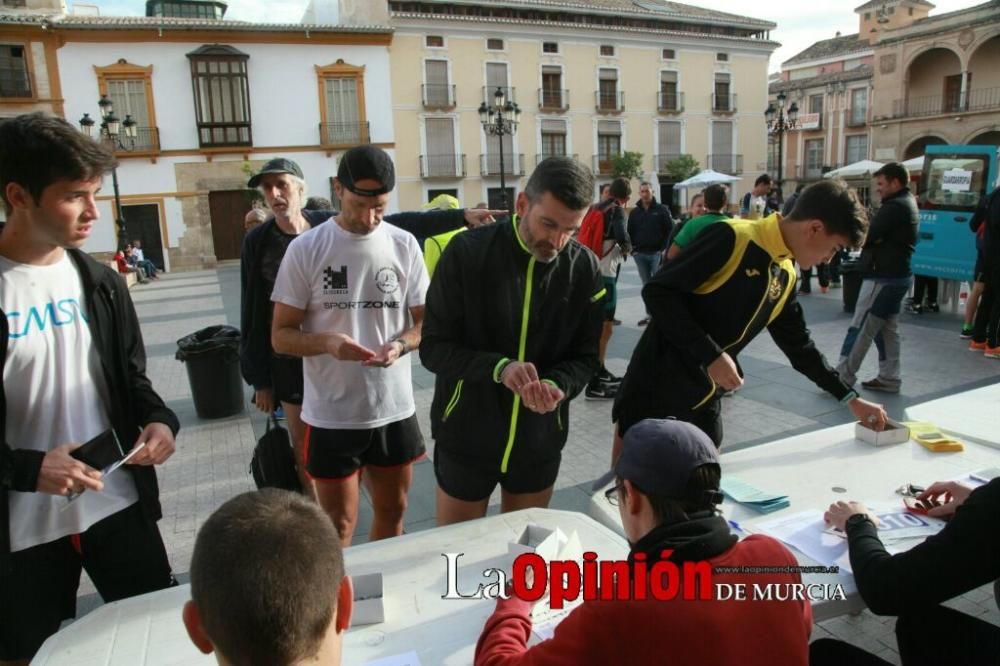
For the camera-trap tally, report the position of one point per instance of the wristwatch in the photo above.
(406, 347)
(857, 519)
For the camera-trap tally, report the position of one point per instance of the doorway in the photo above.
(227, 209)
(142, 223)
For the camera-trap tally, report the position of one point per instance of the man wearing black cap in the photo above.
(276, 377)
(349, 297)
(667, 489)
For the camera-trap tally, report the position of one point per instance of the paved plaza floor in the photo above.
(211, 463)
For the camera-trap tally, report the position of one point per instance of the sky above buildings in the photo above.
(799, 24)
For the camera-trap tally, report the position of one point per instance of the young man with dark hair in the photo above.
(268, 584)
(667, 491)
(616, 247)
(277, 378)
(80, 377)
(716, 200)
(349, 299)
(886, 279)
(512, 351)
(649, 228)
(709, 302)
(761, 188)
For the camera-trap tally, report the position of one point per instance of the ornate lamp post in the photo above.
(500, 120)
(779, 122)
(121, 134)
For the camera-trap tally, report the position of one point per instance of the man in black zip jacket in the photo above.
(512, 350)
(912, 585)
(276, 377)
(74, 369)
(649, 227)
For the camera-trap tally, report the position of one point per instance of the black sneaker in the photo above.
(604, 376)
(933, 307)
(600, 391)
(914, 308)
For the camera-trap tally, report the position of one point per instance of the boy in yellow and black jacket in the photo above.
(736, 279)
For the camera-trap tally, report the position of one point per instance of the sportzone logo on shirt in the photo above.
(335, 282)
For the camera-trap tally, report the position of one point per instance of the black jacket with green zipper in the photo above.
(490, 300)
(736, 279)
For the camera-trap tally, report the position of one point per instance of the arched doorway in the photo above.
(991, 138)
(984, 80)
(934, 84)
(918, 146)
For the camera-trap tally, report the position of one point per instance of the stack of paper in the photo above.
(756, 499)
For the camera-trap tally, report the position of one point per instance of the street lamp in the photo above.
(779, 122)
(500, 120)
(121, 134)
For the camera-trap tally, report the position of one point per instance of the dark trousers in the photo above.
(941, 635)
(822, 272)
(924, 284)
(835, 265)
(988, 313)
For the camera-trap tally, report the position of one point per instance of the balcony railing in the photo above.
(602, 164)
(147, 140)
(661, 161)
(442, 166)
(438, 96)
(725, 163)
(490, 91)
(550, 99)
(543, 156)
(513, 165)
(670, 102)
(224, 135)
(856, 117)
(983, 99)
(807, 171)
(609, 102)
(343, 134)
(724, 103)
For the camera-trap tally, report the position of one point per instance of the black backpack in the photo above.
(273, 462)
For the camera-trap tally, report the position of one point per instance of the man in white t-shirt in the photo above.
(349, 297)
(73, 368)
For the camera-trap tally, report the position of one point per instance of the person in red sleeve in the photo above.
(667, 487)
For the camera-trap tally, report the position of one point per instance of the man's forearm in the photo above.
(295, 342)
(411, 337)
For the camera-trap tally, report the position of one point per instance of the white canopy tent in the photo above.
(706, 178)
(856, 170)
(914, 164)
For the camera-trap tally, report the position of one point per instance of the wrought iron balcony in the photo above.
(343, 134)
(442, 166)
(513, 165)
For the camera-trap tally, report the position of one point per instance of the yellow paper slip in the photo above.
(931, 438)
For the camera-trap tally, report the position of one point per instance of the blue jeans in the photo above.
(875, 320)
(647, 263)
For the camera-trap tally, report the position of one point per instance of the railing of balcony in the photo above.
(724, 103)
(147, 140)
(725, 163)
(602, 164)
(490, 91)
(661, 161)
(343, 134)
(670, 102)
(224, 135)
(983, 99)
(553, 99)
(857, 117)
(609, 102)
(438, 96)
(542, 156)
(442, 166)
(513, 165)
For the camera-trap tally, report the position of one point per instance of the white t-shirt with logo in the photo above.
(361, 286)
(56, 393)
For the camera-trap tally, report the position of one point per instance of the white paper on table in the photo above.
(807, 531)
(544, 620)
(408, 659)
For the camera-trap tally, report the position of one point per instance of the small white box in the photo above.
(540, 540)
(368, 597)
(894, 433)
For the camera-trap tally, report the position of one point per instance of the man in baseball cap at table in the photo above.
(349, 298)
(666, 486)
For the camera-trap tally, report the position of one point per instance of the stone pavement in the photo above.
(213, 456)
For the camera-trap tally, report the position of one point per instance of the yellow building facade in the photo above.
(593, 80)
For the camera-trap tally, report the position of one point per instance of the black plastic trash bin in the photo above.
(212, 357)
(850, 276)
